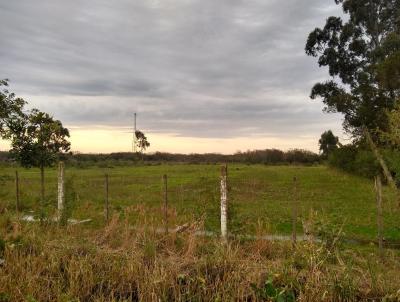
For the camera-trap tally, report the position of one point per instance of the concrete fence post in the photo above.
(61, 191)
(378, 189)
(224, 202)
(165, 202)
(294, 212)
(17, 200)
(106, 199)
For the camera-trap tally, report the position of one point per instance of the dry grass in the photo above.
(122, 263)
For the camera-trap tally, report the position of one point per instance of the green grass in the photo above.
(258, 195)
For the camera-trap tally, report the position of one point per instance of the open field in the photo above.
(129, 260)
(259, 196)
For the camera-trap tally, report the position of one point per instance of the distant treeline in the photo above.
(268, 156)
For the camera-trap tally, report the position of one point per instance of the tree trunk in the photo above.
(380, 159)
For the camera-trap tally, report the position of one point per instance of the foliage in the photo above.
(269, 292)
(37, 140)
(356, 160)
(354, 50)
(141, 141)
(389, 72)
(328, 143)
(392, 157)
(10, 108)
(267, 156)
(301, 156)
(392, 135)
(359, 160)
(365, 164)
(4, 297)
(343, 157)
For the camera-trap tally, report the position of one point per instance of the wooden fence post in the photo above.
(224, 201)
(106, 201)
(294, 212)
(61, 193)
(378, 188)
(165, 195)
(17, 201)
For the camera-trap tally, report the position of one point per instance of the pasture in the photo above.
(259, 197)
(126, 259)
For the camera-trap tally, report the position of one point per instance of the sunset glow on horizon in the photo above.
(111, 140)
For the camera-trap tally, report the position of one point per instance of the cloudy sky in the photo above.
(203, 75)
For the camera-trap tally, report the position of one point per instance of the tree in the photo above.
(141, 141)
(354, 50)
(37, 141)
(392, 136)
(328, 143)
(10, 109)
(389, 78)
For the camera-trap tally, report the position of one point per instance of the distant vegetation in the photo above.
(267, 156)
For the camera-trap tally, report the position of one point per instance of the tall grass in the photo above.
(121, 262)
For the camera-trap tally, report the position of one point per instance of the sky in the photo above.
(202, 75)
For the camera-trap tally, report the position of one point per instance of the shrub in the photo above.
(355, 160)
(343, 158)
(365, 164)
(392, 158)
(362, 162)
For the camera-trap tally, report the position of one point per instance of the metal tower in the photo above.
(134, 142)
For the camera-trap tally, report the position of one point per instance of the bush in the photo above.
(365, 164)
(343, 158)
(362, 162)
(392, 158)
(355, 160)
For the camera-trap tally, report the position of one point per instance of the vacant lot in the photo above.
(259, 196)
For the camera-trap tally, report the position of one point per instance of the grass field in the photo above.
(259, 197)
(127, 260)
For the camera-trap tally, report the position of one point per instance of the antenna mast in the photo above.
(134, 146)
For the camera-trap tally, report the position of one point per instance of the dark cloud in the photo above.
(195, 68)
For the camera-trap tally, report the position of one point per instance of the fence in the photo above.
(233, 206)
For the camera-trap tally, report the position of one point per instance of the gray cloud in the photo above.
(192, 67)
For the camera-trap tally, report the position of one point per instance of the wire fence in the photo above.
(253, 203)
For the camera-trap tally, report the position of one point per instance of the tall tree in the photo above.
(37, 141)
(10, 108)
(389, 77)
(141, 141)
(354, 50)
(328, 143)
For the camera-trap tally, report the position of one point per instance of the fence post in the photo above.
(378, 188)
(17, 201)
(294, 212)
(106, 201)
(61, 193)
(165, 195)
(224, 201)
